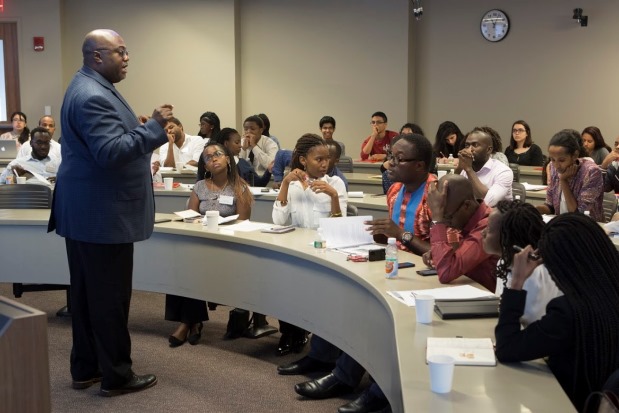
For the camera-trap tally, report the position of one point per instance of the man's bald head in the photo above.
(104, 51)
(459, 189)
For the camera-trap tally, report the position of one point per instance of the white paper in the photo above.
(190, 167)
(257, 190)
(247, 226)
(355, 194)
(344, 232)
(612, 226)
(465, 351)
(188, 213)
(223, 220)
(459, 292)
(531, 187)
(362, 250)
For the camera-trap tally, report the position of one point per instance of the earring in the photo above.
(229, 167)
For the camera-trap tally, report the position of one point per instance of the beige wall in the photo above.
(548, 71)
(298, 60)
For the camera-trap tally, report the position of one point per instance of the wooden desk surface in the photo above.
(342, 301)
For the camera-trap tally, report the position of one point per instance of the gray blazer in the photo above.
(104, 191)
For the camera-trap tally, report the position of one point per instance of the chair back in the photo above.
(345, 164)
(516, 170)
(609, 204)
(518, 189)
(351, 210)
(25, 196)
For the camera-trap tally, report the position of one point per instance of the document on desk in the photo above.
(459, 292)
(531, 187)
(346, 232)
(465, 351)
(246, 226)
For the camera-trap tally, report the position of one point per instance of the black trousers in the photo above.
(101, 284)
(185, 310)
(294, 331)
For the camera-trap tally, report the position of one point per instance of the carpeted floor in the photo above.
(214, 376)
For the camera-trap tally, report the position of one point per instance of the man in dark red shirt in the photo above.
(376, 146)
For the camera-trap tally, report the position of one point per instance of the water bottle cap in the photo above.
(391, 240)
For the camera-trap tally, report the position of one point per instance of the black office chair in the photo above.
(30, 196)
(518, 189)
(516, 170)
(345, 164)
(609, 204)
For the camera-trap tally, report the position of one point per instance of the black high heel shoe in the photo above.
(176, 342)
(195, 337)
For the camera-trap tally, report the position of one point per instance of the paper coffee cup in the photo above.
(212, 220)
(441, 373)
(424, 308)
(179, 166)
(21, 179)
(168, 183)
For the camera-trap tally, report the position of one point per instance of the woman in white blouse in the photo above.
(307, 194)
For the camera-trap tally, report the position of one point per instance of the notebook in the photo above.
(449, 310)
(8, 149)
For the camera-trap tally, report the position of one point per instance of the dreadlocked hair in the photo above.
(242, 193)
(521, 224)
(303, 146)
(583, 262)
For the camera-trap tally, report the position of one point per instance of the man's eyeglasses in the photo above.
(396, 161)
(518, 131)
(122, 52)
(216, 154)
(377, 122)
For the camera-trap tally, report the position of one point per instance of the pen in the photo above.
(531, 255)
(442, 155)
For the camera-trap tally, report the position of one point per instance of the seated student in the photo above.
(521, 149)
(448, 141)
(593, 142)
(48, 123)
(578, 335)
(453, 205)
(406, 129)
(327, 128)
(222, 190)
(307, 193)
(39, 161)
(181, 147)
(492, 180)
(611, 163)
(210, 126)
(280, 166)
(231, 140)
(335, 152)
(256, 148)
(408, 222)
(514, 223)
(20, 131)
(497, 145)
(376, 146)
(575, 183)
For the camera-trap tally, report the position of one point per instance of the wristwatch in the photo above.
(407, 237)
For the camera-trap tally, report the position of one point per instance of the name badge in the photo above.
(226, 200)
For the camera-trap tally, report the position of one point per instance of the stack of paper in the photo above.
(465, 351)
(345, 232)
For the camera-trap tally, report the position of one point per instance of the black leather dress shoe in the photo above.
(366, 403)
(285, 345)
(135, 384)
(323, 388)
(84, 384)
(304, 366)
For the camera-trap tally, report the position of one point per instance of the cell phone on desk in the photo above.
(405, 265)
(427, 272)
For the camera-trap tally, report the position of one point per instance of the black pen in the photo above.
(531, 255)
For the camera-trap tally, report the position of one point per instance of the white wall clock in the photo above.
(494, 25)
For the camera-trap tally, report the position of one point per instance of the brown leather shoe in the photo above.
(135, 384)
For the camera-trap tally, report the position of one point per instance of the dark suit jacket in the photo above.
(104, 190)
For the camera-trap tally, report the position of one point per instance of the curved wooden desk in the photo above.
(284, 276)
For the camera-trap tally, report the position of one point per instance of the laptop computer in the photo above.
(8, 149)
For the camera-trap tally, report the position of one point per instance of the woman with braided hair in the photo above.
(516, 223)
(579, 333)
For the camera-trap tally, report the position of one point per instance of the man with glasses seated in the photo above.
(39, 161)
(376, 146)
(453, 205)
(48, 123)
(491, 179)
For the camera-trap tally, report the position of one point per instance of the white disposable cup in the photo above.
(212, 220)
(441, 373)
(179, 166)
(21, 179)
(441, 174)
(424, 308)
(168, 183)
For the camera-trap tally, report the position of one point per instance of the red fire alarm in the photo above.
(39, 44)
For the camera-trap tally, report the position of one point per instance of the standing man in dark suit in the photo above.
(103, 203)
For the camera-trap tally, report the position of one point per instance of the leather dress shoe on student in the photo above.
(194, 338)
(84, 384)
(135, 384)
(323, 388)
(366, 403)
(304, 366)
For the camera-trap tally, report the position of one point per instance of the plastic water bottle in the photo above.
(320, 243)
(450, 159)
(391, 259)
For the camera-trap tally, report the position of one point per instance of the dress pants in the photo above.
(291, 329)
(101, 284)
(322, 350)
(185, 310)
